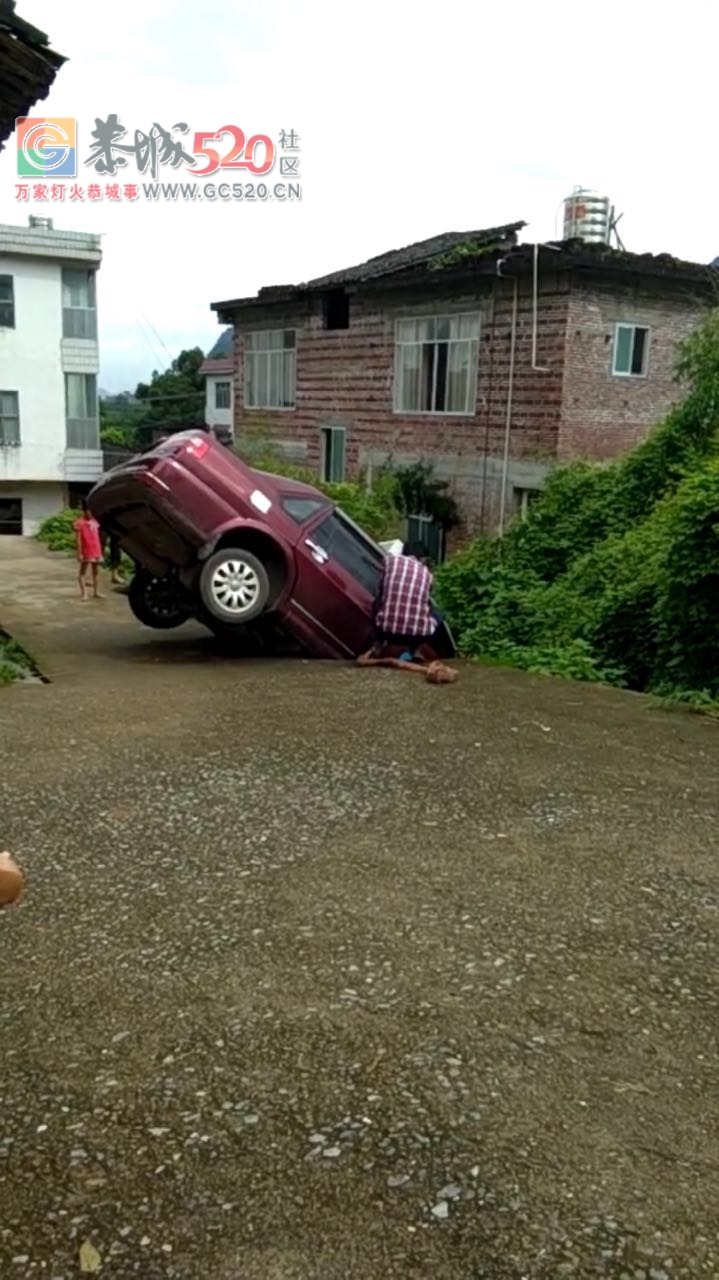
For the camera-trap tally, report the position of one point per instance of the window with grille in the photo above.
(222, 395)
(7, 302)
(9, 418)
(270, 369)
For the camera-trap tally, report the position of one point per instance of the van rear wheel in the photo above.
(234, 586)
(157, 602)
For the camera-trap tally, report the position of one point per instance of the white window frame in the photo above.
(633, 325)
(327, 433)
(71, 310)
(225, 382)
(10, 417)
(250, 353)
(471, 404)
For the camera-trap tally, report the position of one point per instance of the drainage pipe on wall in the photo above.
(510, 391)
(538, 368)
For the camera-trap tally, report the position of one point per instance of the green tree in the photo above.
(175, 398)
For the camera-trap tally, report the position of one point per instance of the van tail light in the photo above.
(198, 446)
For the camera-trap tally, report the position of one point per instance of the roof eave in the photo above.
(35, 66)
(264, 300)
(223, 364)
(515, 260)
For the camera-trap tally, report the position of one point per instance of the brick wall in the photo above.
(570, 405)
(604, 415)
(346, 378)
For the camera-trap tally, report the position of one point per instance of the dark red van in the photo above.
(241, 550)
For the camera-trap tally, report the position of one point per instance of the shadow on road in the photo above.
(191, 646)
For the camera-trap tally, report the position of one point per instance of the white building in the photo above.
(218, 369)
(49, 361)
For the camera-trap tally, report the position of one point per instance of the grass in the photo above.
(15, 663)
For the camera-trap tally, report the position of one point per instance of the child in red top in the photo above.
(89, 550)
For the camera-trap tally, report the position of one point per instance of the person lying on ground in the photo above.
(403, 616)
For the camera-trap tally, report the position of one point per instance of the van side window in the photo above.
(302, 509)
(348, 548)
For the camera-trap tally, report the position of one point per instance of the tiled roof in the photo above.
(217, 366)
(577, 253)
(27, 67)
(419, 254)
(459, 257)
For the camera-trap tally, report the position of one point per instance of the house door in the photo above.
(429, 533)
(11, 516)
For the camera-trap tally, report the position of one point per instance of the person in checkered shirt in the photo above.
(404, 617)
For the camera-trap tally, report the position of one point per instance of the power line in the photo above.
(149, 346)
(159, 339)
(144, 400)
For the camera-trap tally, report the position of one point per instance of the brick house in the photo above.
(488, 358)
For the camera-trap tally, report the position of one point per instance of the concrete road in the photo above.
(326, 974)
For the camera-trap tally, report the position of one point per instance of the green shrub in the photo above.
(375, 509)
(686, 611)
(614, 575)
(14, 661)
(57, 532)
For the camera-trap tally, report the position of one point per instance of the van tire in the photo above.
(157, 602)
(234, 586)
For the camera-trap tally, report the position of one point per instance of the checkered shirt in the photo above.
(404, 608)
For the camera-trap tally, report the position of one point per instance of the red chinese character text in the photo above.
(94, 191)
(39, 191)
(76, 192)
(130, 191)
(58, 191)
(22, 191)
(112, 190)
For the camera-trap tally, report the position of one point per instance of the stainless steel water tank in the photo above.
(587, 216)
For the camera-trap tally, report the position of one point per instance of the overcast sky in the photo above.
(414, 118)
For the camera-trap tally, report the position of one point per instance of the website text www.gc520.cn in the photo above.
(129, 192)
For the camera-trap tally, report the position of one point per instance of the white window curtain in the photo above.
(81, 411)
(435, 364)
(270, 369)
(79, 314)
